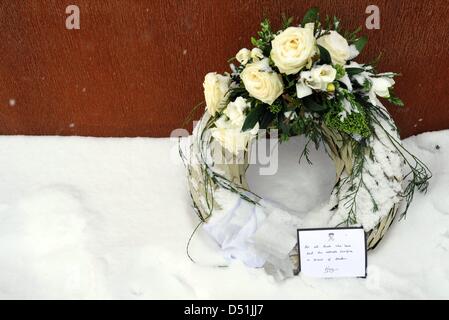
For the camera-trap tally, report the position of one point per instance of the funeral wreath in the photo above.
(300, 80)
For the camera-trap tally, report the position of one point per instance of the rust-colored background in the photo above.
(136, 67)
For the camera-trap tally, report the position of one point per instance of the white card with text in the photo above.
(332, 252)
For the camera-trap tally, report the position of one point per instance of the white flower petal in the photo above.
(243, 56)
(381, 86)
(347, 82)
(290, 115)
(303, 90)
(353, 52)
(256, 54)
(336, 45)
(216, 87)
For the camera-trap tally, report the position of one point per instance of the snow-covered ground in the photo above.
(110, 218)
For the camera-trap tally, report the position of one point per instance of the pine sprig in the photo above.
(266, 35)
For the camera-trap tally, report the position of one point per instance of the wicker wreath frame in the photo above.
(205, 178)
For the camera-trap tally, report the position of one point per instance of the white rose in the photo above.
(293, 49)
(243, 56)
(261, 82)
(256, 54)
(235, 111)
(215, 87)
(337, 46)
(231, 137)
(381, 86)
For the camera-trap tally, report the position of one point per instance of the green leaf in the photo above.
(354, 71)
(312, 105)
(360, 43)
(340, 71)
(275, 108)
(394, 99)
(253, 117)
(286, 21)
(336, 24)
(367, 85)
(310, 16)
(254, 41)
(266, 119)
(325, 57)
(285, 129)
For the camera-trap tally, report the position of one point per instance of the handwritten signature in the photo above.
(329, 269)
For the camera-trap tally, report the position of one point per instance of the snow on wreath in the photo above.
(300, 80)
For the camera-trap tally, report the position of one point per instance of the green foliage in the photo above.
(354, 71)
(353, 123)
(394, 99)
(356, 182)
(375, 61)
(286, 22)
(310, 127)
(351, 36)
(325, 56)
(337, 24)
(236, 92)
(311, 105)
(360, 43)
(367, 85)
(275, 108)
(266, 119)
(332, 23)
(253, 117)
(340, 71)
(265, 36)
(311, 15)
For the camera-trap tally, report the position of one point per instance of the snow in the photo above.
(102, 218)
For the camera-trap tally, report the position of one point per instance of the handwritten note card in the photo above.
(332, 253)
